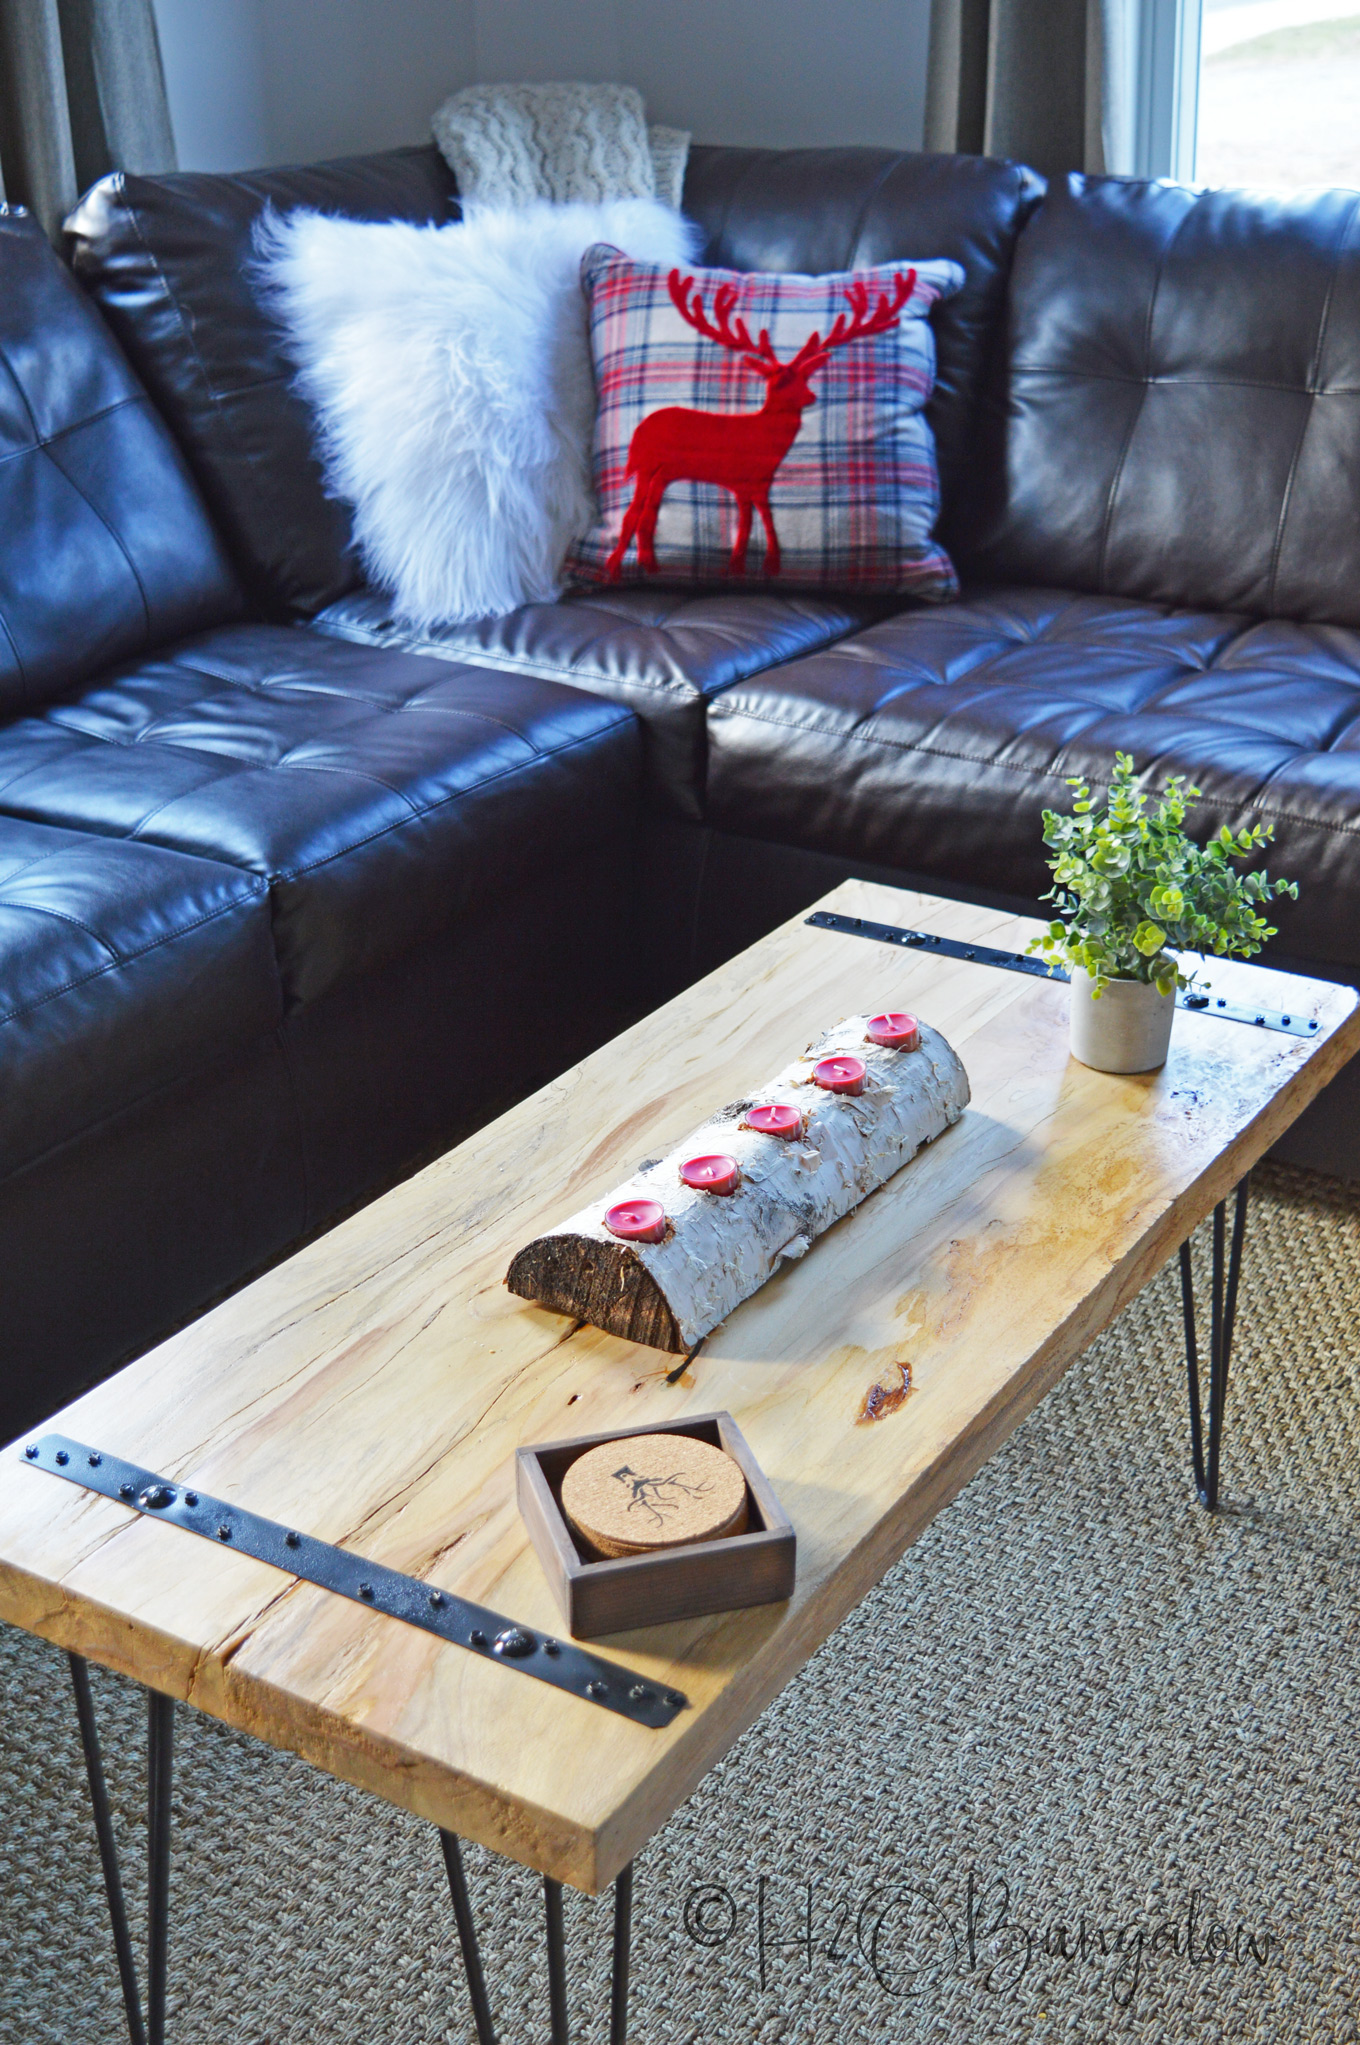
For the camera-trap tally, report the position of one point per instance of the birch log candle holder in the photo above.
(667, 1256)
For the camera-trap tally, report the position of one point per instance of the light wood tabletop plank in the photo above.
(373, 1389)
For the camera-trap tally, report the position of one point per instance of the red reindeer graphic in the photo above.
(739, 451)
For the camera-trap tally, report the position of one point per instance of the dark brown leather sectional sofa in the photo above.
(286, 901)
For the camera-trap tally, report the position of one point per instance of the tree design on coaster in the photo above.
(659, 1497)
(645, 1492)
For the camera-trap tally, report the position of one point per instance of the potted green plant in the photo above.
(1133, 893)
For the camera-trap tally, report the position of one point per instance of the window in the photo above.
(1279, 93)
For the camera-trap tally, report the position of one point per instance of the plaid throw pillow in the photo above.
(765, 427)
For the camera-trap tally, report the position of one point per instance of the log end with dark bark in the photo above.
(605, 1284)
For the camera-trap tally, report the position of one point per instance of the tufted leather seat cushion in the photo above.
(931, 742)
(1184, 400)
(169, 261)
(106, 547)
(123, 968)
(662, 652)
(380, 794)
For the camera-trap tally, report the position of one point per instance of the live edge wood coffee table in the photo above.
(372, 1392)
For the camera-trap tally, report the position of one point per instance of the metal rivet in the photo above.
(365, 1590)
(595, 1688)
(125, 1490)
(31, 1450)
(291, 1540)
(436, 1599)
(191, 1498)
(95, 1459)
(224, 1532)
(62, 1456)
(551, 1647)
(477, 1638)
(1260, 1018)
(1284, 1018)
(639, 1693)
(155, 1496)
(674, 1699)
(514, 1642)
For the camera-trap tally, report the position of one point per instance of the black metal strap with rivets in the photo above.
(1199, 998)
(453, 1619)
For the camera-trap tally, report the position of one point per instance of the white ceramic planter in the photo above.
(1127, 1030)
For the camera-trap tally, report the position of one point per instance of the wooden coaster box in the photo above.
(612, 1596)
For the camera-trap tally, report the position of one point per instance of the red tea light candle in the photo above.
(894, 1032)
(843, 1074)
(775, 1119)
(637, 1221)
(716, 1174)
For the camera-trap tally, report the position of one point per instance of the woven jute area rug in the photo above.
(1083, 1767)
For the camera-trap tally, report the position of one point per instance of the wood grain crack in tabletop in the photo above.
(221, 1652)
(409, 1250)
(379, 1513)
(433, 1561)
(127, 1518)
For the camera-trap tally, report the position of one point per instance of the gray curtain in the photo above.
(82, 91)
(1049, 82)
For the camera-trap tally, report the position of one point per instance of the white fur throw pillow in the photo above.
(448, 369)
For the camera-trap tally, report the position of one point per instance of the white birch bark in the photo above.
(720, 1248)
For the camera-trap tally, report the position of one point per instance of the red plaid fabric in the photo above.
(853, 492)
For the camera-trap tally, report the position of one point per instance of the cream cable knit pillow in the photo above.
(508, 145)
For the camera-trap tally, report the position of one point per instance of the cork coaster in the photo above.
(652, 1491)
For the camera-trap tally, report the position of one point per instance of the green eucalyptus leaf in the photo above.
(1132, 890)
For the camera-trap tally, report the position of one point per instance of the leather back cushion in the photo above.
(169, 260)
(106, 548)
(843, 209)
(1184, 400)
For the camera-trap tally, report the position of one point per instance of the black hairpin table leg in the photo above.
(623, 1932)
(557, 1963)
(108, 1849)
(160, 1748)
(467, 1938)
(559, 2025)
(148, 2030)
(1206, 1442)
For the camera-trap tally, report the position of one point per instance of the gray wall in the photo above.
(277, 81)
